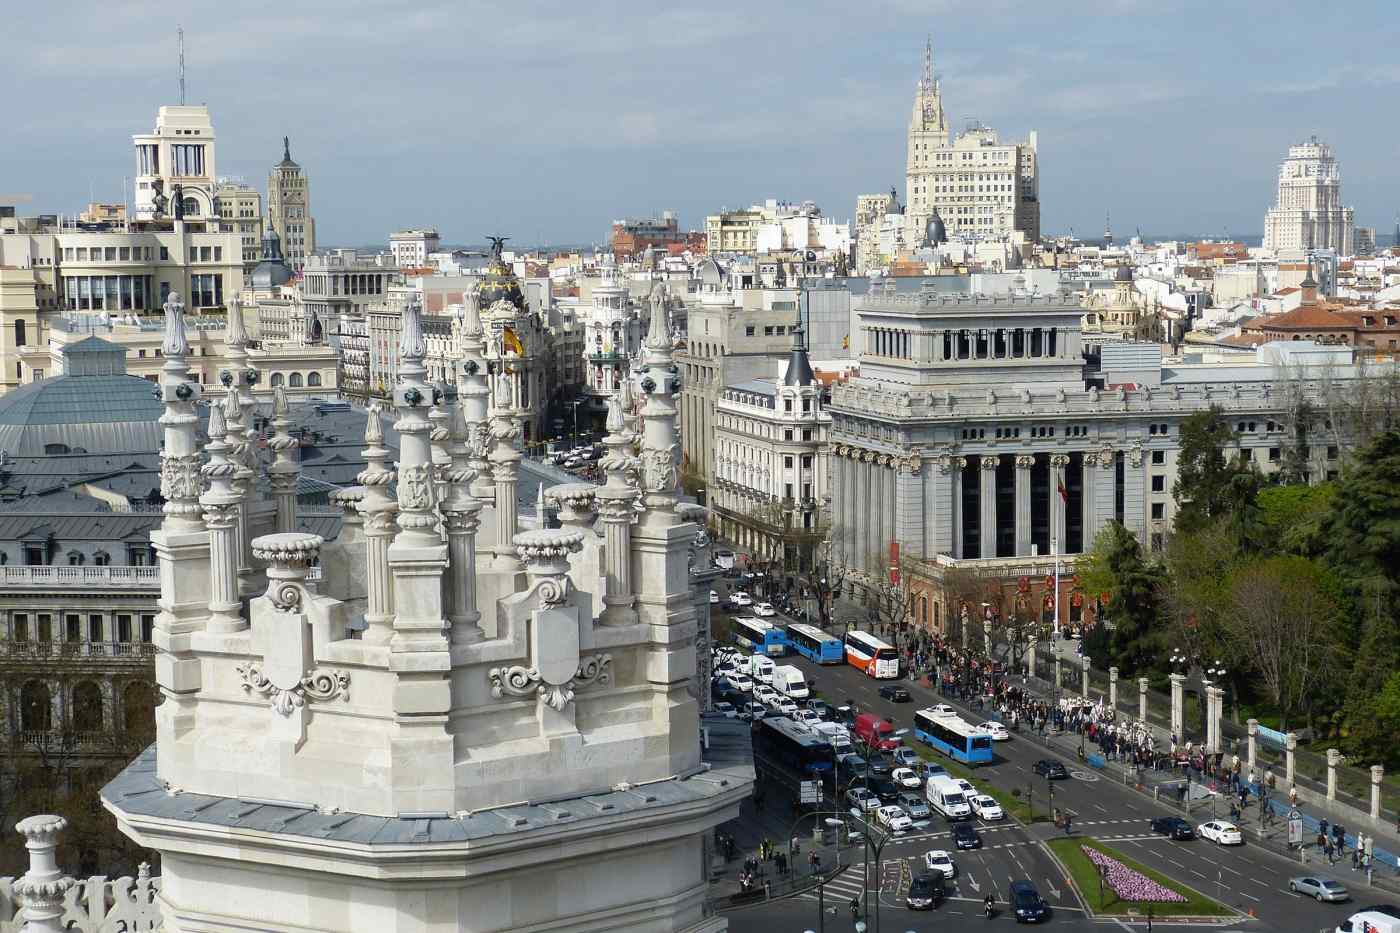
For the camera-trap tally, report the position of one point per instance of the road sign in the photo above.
(1295, 830)
(811, 792)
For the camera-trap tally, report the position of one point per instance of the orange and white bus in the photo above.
(868, 653)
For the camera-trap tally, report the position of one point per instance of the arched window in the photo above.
(275, 381)
(35, 707)
(294, 380)
(87, 707)
(138, 706)
(313, 379)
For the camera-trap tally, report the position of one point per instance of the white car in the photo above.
(739, 681)
(894, 819)
(905, 777)
(996, 730)
(714, 598)
(808, 717)
(740, 598)
(862, 799)
(906, 756)
(942, 709)
(726, 710)
(937, 860)
(986, 807)
(765, 694)
(785, 706)
(968, 790)
(764, 610)
(1221, 833)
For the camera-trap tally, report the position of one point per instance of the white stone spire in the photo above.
(379, 509)
(220, 502)
(43, 888)
(616, 498)
(418, 554)
(505, 470)
(240, 453)
(285, 468)
(460, 514)
(475, 396)
(659, 379)
(179, 461)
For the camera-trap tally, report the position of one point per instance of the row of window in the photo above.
(294, 380)
(85, 712)
(73, 629)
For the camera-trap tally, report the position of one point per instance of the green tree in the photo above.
(1204, 475)
(1291, 517)
(1116, 566)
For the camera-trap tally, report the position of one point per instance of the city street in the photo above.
(1247, 878)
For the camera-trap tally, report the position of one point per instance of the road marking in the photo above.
(1058, 894)
(1196, 873)
(1250, 896)
(1176, 863)
(1262, 884)
(1232, 871)
(1096, 806)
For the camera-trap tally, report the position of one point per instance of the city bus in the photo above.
(868, 653)
(788, 753)
(953, 736)
(814, 644)
(759, 636)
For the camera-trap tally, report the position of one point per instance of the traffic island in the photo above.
(1110, 884)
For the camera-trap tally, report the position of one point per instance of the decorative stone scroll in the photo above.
(318, 685)
(519, 681)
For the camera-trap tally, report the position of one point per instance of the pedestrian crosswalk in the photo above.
(848, 884)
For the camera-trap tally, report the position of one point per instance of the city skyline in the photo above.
(507, 130)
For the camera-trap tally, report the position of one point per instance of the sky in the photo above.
(548, 121)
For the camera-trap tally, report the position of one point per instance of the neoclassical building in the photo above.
(612, 334)
(978, 431)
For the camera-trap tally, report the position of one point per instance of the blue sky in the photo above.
(546, 121)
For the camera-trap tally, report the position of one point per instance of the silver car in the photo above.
(1319, 887)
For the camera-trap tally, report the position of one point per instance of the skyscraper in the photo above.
(289, 208)
(975, 183)
(1309, 212)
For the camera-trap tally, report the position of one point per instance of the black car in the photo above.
(1173, 827)
(846, 716)
(894, 694)
(925, 892)
(851, 765)
(1027, 906)
(1051, 769)
(880, 765)
(965, 837)
(888, 791)
(821, 709)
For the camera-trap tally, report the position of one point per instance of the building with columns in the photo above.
(976, 430)
(466, 724)
(612, 334)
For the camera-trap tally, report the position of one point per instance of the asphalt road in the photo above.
(1245, 877)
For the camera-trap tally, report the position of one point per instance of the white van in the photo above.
(1370, 920)
(947, 797)
(790, 682)
(761, 669)
(835, 734)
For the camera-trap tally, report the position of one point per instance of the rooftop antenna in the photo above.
(181, 32)
(926, 82)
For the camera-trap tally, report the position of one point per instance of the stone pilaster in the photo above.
(1089, 512)
(988, 503)
(284, 471)
(1178, 687)
(1024, 462)
(379, 509)
(1058, 505)
(616, 501)
(1104, 485)
(1252, 730)
(909, 529)
(956, 465)
(220, 503)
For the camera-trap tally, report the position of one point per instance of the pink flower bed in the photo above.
(1130, 885)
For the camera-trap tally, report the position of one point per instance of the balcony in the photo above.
(65, 650)
(138, 579)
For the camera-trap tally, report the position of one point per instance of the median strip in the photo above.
(1101, 900)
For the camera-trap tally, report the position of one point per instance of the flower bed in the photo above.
(1128, 884)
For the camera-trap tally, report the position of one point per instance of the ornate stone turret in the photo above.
(616, 498)
(220, 502)
(241, 373)
(505, 469)
(461, 515)
(285, 469)
(379, 509)
(475, 396)
(43, 887)
(660, 381)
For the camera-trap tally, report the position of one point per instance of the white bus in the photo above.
(868, 653)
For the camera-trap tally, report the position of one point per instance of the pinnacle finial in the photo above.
(176, 342)
(237, 335)
(279, 402)
(374, 429)
(659, 329)
(615, 423)
(412, 346)
(286, 149)
(471, 316)
(233, 411)
(218, 426)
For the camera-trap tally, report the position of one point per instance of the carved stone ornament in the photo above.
(415, 487)
(991, 463)
(1024, 461)
(1106, 459)
(659, 469)
(181, 477)
(317, 685)
(519, 681)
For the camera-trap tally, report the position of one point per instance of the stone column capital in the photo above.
(991, 463)
(1059, 461)
(1024, 461)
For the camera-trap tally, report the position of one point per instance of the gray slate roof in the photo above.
(138, 790)
(97, 414)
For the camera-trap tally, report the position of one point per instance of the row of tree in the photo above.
(1293, 587)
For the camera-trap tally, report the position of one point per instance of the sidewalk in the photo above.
(753, 825)
(1163, 786)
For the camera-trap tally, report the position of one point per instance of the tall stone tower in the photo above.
(424, 751)
(1309, 213)
(289, 208)
(928, 132)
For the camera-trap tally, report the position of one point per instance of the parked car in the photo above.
(894, 694)
(1173, 827)
(765, 694)
(845, 715)
(931, 769)
(820, 708)
(1221, 832)
(925, 892)
(986, 807)
(740, 598)
(1050, 769)
(739, 681)
(1319, 887)
(862, 799)
(893, 818)
(965, 837)
(785, 706)
(1027, 906)
(939, 862)
(725, 709)
(764, 610)
(915, 806)
(996, 730)
(888, 791)
(851, 764)
(807, 717)
(905, 777)
(880, 765)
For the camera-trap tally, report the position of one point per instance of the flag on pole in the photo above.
(512, 342)
(1064, 493)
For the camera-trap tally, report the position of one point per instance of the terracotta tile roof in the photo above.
(1304, 316)
(1244, 340)
(1287, 291)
